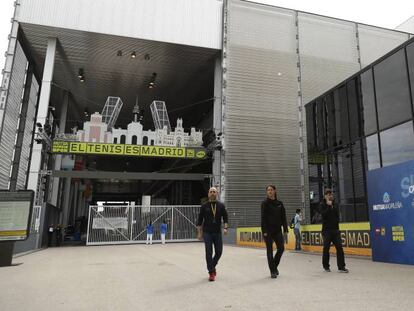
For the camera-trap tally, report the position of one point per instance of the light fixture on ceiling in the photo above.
(81, 75)
(152, 83)
(133, 54)
(86, 112)
(119, 53)
(147, 57)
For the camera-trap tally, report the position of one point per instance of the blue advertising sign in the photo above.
(391, 211)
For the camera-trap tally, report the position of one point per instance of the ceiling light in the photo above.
(80, 73)
(147, 57)
(133, 54)
(151, 84)
(82, 79)
(119, 53)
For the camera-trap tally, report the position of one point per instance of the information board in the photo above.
(15, 214)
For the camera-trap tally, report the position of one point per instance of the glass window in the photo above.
(358, 167)
(353, 109)
(372, 152)
(310, 125)
(330, 113)
(391, 85)
(410, 57)
(397, 144)
(369, 118)
(342, 178)
(341, 116)
(320, 124)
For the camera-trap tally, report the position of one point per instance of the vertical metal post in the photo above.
(88, 226)
(66, 202)
(301, 123)
(131, 208)
(172, 223)
(224, 56)
(42, 112)
(58, 158)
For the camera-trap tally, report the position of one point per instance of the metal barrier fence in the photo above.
(125, 224)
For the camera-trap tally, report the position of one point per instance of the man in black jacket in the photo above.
(209, 227)
(273, 219)
(330, 232)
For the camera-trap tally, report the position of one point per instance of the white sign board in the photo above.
(15, 213)
(110, 223)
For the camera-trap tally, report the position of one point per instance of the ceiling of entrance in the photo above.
(184, 74)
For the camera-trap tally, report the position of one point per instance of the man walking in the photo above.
(212, 213)
(330, 232)
(273, 219)
(296, 229)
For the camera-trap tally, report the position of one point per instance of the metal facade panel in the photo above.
(407, 26)
(28, 136)
(376, 42)
(188, 22)
(11, 115)
(261, 134)
(328, 52)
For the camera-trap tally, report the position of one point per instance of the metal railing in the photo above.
(125, 224)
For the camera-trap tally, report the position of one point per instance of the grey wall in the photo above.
(277, 61)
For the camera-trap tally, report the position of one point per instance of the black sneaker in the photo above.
(343, 270)
(273, 275)
(327, 269)
(277, 272)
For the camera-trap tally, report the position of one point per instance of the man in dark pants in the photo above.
(330, 232)
(273, 219)
(209, 227)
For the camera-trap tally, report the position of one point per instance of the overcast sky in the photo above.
(388, 14)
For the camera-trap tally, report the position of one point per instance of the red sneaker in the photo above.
(212, 277)
(215, 273)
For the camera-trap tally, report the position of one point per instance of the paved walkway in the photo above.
(173, 277)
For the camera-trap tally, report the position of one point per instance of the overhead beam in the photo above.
(128, 175)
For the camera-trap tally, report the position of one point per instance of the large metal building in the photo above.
(239, 71)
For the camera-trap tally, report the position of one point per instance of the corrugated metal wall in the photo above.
(376, 42)
(188, 22)
(261, 114)
(28, 136)
(11, 115)
(328, 52)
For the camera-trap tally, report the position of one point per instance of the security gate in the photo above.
(125, 224)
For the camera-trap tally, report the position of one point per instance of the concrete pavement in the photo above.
(174, 277)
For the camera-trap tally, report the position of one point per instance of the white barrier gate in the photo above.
(125, 224)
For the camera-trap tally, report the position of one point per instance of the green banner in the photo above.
(74, 147)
